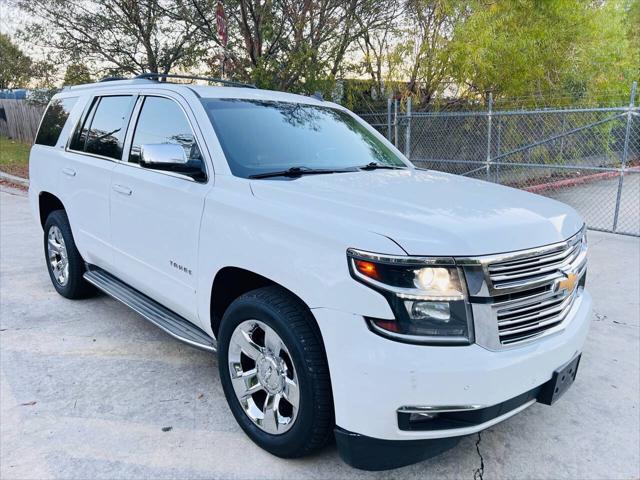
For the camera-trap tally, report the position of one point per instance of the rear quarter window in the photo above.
(53, 120)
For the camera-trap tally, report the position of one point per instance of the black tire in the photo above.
(293, 322)
(75, 287)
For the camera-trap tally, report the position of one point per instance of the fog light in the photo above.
(429, 311)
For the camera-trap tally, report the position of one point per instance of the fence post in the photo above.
(498, 149)
(564, 121)
(395, 122)
(389, 133)
(625, 154)
(488, 160)
(407, 136)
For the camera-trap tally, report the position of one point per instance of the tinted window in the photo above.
(162, 120)
(53, 120)
(80, 135)
(261, 136)
(108, 123)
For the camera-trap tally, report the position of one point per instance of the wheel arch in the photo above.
(47, 203)
(232, 282)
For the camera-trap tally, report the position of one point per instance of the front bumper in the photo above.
(372, 376)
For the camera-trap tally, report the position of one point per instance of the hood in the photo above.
(428, 213)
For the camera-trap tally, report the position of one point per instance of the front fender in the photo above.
(306, 255)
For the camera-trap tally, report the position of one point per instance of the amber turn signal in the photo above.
(367, 269)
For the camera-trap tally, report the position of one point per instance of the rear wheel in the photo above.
(274, 372)
(64, 263)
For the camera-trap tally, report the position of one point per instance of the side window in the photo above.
(103, 129)
(53, 120)
(80, 135)
(108, 127)
(161, 120)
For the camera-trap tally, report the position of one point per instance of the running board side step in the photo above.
(172, 323)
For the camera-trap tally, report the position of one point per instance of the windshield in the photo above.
(261, 136)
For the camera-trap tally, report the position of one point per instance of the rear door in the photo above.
(85, 173)
(155, 215)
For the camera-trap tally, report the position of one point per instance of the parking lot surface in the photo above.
(596, 202)
(89, 389)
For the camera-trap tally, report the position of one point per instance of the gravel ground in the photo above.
(89, 389)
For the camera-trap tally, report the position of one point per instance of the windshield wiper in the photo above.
(376, 166)
(300, 171)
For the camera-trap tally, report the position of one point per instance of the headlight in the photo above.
(427, 296)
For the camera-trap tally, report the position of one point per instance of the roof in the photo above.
(204, 91)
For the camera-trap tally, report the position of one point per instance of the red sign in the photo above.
(221, 22)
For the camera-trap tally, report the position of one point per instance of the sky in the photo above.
(11, 19)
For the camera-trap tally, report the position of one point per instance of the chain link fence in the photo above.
(588, 158)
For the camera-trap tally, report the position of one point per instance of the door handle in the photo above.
(121, 189)
(69, 172)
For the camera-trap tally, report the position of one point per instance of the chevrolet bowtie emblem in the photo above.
(568, 283)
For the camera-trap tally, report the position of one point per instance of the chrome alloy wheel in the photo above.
(263, 377)
(58, 259)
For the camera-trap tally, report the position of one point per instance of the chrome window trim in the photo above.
(163, 172)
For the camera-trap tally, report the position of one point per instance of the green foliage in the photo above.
(14, 157)
(15, 66)
(539, 49)
(76, 74)
(527, 52)
(41, 96)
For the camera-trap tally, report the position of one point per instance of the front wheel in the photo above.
(274, 372)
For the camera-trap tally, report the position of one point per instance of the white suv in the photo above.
(347, 292)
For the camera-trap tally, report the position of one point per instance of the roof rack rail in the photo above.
(150, 76)
(111, 79)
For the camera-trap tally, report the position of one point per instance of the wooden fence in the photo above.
(19, 119)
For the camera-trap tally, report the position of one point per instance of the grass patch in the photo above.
(14, 157)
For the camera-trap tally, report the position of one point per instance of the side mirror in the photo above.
(169, 157)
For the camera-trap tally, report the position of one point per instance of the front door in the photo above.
(155, 216)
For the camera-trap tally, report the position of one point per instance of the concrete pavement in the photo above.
(89, 389)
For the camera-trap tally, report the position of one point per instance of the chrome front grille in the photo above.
(556, 269)
(525, 319)
(527, 294)
(530, 269)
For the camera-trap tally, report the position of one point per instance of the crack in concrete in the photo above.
(479, 472)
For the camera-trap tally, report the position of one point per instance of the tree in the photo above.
(15, 66)
(427, 44)
(538, 49)
(286, 44)
(76, 74)
(118, 36)
(375, 46)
